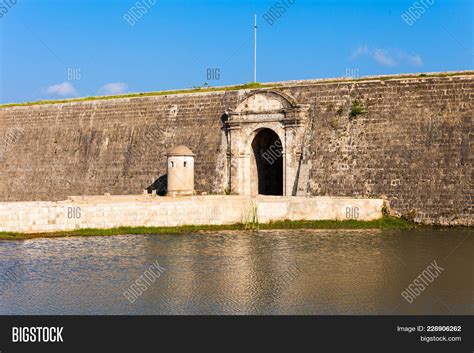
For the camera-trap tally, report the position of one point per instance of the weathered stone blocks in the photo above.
(412, 144)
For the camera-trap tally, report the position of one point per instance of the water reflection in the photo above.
(270, 272)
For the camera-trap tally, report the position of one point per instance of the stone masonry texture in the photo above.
(148, 211)
(412, 144)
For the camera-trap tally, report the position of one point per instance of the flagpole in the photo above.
(255, 51)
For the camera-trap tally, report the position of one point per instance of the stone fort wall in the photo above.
(412, 144)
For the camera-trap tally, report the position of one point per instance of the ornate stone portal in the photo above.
(264, 137)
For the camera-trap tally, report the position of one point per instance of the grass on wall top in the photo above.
(143, 94)
(252, 85)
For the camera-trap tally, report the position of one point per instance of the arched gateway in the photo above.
(267, 163)
(264, 136)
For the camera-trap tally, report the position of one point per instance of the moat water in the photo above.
(269, 272)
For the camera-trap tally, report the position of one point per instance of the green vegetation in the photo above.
(199, 89)
(390, 77)
(441, 74)
(10, 236)
(383, 223)
(251, 85)
(357, 108)
(252, 222)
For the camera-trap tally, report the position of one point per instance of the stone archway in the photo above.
(260, 111)
(267, 163)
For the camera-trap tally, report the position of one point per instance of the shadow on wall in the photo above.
(160, 185)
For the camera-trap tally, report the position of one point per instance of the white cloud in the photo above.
(113, 88)
(414, 60)
(64, 89)
(361, 50)
(383, 58)
(388, 57)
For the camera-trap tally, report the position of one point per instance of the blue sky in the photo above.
(54, 49)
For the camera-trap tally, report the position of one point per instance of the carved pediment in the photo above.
(267, 105)
(264, 101)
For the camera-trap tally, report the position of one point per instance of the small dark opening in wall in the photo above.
(185, 163)
(172, 164)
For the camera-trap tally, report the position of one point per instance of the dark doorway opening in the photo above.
(268, 152)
